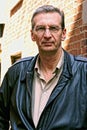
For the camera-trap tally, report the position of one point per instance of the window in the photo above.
(15, 57)
(1, 29)
(15, 5)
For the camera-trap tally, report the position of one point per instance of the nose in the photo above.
(47, 33)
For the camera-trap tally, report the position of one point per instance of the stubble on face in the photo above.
(48, 43)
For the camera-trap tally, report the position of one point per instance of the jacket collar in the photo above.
(68, 62)
(29, 69)
(67, 69)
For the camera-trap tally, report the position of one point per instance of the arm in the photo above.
(4, 104)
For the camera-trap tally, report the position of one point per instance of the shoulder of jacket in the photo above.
(81, 59)
(74, 58)
(23, 60)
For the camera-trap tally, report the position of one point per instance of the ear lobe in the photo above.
(63, 38)
(63, 35)
(33, 39)
(32, 36)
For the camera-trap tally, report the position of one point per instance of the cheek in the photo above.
(38, 39)
(58, 38)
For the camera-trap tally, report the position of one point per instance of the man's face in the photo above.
(48, 32)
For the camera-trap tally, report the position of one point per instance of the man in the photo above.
(48, 91)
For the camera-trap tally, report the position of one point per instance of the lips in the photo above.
(47, 43)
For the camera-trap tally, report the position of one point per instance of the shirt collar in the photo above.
(61, 61)
(58, 67)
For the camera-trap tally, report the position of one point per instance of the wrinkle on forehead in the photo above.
(47, 19)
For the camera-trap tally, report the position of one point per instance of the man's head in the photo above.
(48, 28)
(48, 9)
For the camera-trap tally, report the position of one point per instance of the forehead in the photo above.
(47, 19)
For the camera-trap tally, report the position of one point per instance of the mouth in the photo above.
(47, 43)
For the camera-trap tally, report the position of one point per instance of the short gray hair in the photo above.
(47, 9)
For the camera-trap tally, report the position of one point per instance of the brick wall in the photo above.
(76, 24)
(16, 38)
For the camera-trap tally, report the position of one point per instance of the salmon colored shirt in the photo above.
(42, 89)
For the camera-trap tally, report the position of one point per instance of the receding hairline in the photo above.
(48, 9)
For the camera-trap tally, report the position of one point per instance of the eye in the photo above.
(54, 28)
(41, 28)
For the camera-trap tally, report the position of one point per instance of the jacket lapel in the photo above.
(64, 78)
(27, 75)
(29, 82)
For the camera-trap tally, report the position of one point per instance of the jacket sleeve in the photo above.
(4, 104)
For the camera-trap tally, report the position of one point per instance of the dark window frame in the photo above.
(16, 7)
(2, 25)
(15, 57)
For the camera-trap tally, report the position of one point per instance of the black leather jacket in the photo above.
(66, 108)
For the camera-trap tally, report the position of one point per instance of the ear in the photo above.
(63, 34)
(33, 36)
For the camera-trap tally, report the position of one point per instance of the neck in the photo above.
(48, 62)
